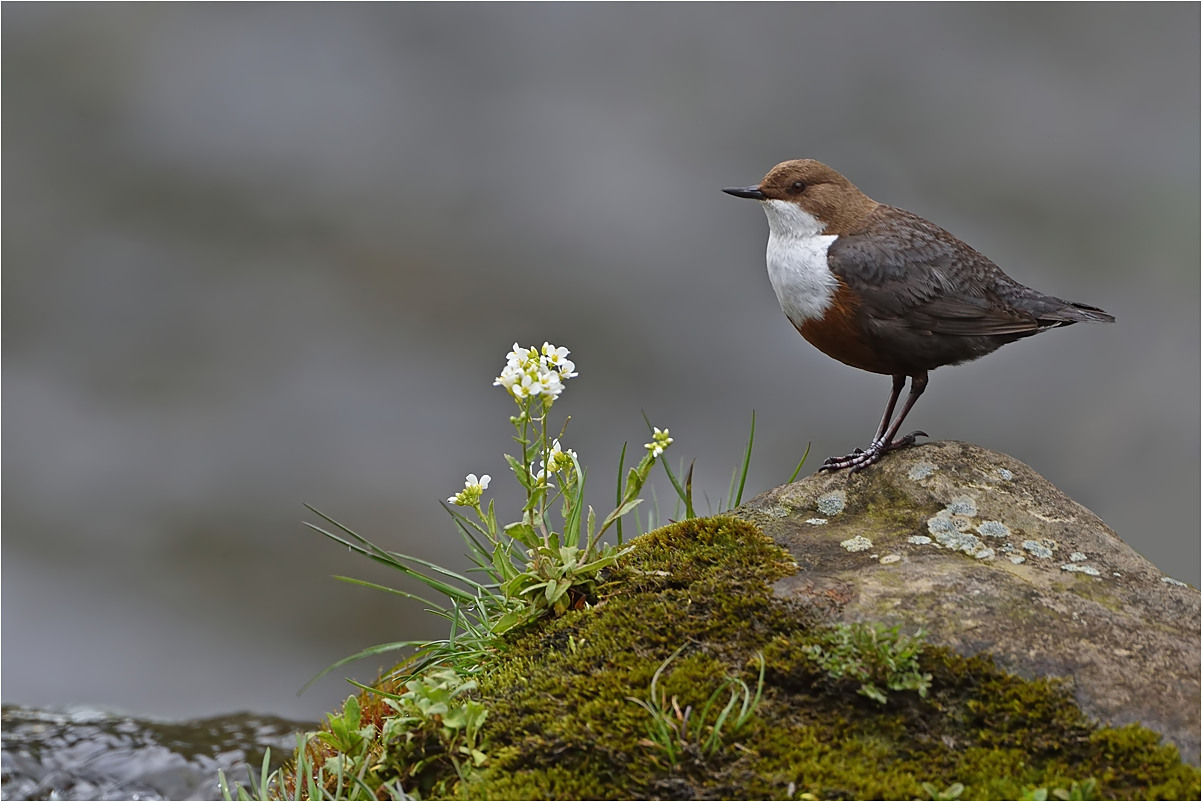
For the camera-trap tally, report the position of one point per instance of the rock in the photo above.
(986, 555)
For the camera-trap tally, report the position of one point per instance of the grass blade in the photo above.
(618, 502)
(393, 560)
(370, 651)
(738, 499)
(350, 580)
(803, 462)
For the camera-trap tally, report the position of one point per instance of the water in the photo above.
(91, 754)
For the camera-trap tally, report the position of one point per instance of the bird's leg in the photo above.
(860, 459)
(899, 382)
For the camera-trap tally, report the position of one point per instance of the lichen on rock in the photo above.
(1072, 599)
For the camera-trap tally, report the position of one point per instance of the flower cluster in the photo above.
(533, 372)
(559, 459)
(473, 488)
(659, 441)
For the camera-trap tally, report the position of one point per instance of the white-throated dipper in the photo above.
(884, 290)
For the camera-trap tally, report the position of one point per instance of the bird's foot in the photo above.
(861, 458)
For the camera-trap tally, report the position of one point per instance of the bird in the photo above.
(884, 290)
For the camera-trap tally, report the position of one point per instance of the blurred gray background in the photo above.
(260, 256)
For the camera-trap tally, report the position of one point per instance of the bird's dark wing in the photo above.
(911, 272)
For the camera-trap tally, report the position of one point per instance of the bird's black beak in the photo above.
(745, 192)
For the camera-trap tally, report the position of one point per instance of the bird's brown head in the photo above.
(817, 189)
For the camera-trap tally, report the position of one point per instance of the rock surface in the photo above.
(986, 555)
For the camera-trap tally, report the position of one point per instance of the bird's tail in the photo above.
(1070, 312)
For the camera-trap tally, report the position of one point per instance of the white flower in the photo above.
(549, 384)
(558, 359)
(511, 375)
(534, 372)
(520, 357)
(473, 488)
(559, 459)
(659, 441)
(540, 478)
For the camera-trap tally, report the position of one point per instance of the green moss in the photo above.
(560, 724)
(893, 510)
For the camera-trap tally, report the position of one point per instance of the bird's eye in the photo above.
(798, 186)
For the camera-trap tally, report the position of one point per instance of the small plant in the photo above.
(432, 741)
(674, 731)
(259, 787)
(345, 734)
(311, 780)
(545, 562)
(435, 724)
(873, 654)
(541, 564)
(953, 791)
(536, 566)
(560, 564)
(1077, 791)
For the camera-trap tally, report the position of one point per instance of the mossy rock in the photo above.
(1041, 627)
(561, 724)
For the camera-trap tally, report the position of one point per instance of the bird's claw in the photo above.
(861, 458)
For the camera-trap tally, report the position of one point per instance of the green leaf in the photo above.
(502, 562)
(510, 620)
(618, 513)
(635, 481)
(618, 500)
(523, 533)
(593, 535)
(738, 499)
(520, 472)
(569, 555)
(556, 589)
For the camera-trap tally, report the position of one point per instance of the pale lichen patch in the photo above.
(939, 525)
(832, 503)
(922, 470)
(1078, 568)
(961, 541)
(816, 521)
(944, 522)
(993, 529)
(1039, 548)
(857, 543)
(962, 505)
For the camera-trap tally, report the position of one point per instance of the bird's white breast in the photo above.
(797, 265)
